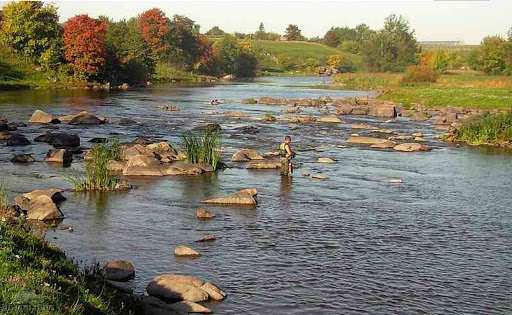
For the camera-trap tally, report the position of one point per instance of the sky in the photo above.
(463, 20)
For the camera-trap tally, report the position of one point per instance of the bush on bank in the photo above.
(487, 129)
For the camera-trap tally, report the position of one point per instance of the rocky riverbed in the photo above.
(358, 224)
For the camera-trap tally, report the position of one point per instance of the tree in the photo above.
(392, 48)
(215, 31)
(155, 29)
(32, 29)
(493, 55)
(340, 63)
(184, 38)
(209, 61)
(261, 28)
(236, 57)
(293, 33)
(85, 45)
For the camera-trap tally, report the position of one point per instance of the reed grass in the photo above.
(203, 148)
(487, 129)
(97, 176)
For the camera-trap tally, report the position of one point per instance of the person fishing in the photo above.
(287, 154)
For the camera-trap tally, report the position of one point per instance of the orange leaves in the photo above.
(84, 44)
(154, 27)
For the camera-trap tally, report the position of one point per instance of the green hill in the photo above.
(283, 57)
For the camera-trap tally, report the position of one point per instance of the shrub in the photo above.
(98, 177)
(415, 74)
(203, 148)
(489, 128)
(341, 63)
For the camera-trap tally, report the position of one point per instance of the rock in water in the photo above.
(184, 251)
(384, 145)
(85, 118)
(204, 214)
(17, 140)
(61, 156)
(23, 158)
(366, 140)
(186, 307)
(5, 135)
(119, 270)
(243, 197)
(325, 160)
(40, 117)
(213, 291)
(329, 119)
(411, 147)
(43, 208)
(172, 287)
(121, 286)
(59, 139)
(319, 176)
(207, 238)
(246, 155)
(264, 164)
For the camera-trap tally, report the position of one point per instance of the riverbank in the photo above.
(38, 278)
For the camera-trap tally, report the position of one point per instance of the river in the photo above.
(440, 242)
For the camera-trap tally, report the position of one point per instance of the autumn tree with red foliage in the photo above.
(154, 27)
(209, 58)
(85, 44)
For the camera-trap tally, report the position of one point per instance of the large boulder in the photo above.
(366, 140)
(243, 197)
(142, 165)
(41, 204)
(40, 117)
(182, 168)
(170, 287)
(213, 291)
(264, 164)
(132, 150)
(411, 147)
(119, 270)
(383, 110)
(17, 140)
(85, 118)
(246, 155)
(59, 139)
(61, 156)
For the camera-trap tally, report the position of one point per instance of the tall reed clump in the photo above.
(98, 177)
(4, 199)
(487, 129)
(203, 148)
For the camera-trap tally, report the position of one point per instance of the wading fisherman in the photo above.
(287, 154)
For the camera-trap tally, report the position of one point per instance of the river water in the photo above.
(440, 242)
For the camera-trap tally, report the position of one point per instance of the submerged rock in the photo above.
(325, 160)
(383, 145)
(5, 135)
(204, 214)
(329, 119)
(243, 197)
(183, 250)
(85, 118)
(59, 139)
(23, 158)
(264, 164)
(171, 287)
(186, 307)
(119, 270)
(366, 140)
(411, 147)
(319, 176)
(17, 140)
(207, 238)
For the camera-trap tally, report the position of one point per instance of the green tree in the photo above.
(261, 28)
(215, 31)
(493, 55)
(236, 57)
(293, 33)
(392, 48)
(32, 28)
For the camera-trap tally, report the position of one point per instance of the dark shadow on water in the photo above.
(286, 188)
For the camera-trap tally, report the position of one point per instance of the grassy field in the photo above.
(295, 58)
(18, 72)
(37, 278)
(464, 89)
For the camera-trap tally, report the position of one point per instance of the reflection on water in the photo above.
(437, 243)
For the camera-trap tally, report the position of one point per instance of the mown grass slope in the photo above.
(295, 57)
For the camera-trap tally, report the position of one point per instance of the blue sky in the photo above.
(468, 21)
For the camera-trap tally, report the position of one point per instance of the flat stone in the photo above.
(411, 147)
(170, 287)
(383, 145)
(246, 155)
(325, 160)
(243, 197)
(207, 238)
(329, 119)
(213, 291)
(40, 117)
(264, 164)
(319, 176)
(183, 250)
(366, 140)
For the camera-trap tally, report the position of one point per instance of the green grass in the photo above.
(454, 89)
(98, 177)
(16, 71)
(203, 148)
(37, 278)
(295, 58)
(4, 199)
(487, 129)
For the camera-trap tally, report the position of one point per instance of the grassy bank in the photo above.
(493, 129)
(464, 89)
(37, 278)
(295, 58)
(18, 72)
